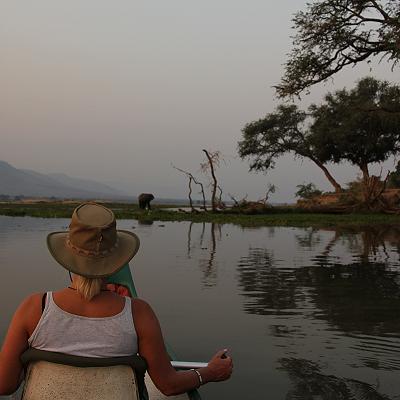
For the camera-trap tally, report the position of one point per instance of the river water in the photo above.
(306, 314)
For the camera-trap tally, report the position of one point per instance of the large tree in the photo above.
(361, 126)
(287, 130)
(332, 34)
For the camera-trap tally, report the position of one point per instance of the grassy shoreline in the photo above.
(277, 216)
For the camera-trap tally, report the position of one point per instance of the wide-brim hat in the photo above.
(93, 247)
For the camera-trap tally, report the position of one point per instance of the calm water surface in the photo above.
(307, 314)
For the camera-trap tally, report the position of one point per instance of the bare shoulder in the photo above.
(141, 307)
(31, 302)
(144, 316)
(29, 311)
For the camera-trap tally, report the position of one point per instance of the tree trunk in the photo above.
(373, 188)
(190, 194)
(331, 179)
(204, 196)
(365, 172)
(214, 189)
(367, 184)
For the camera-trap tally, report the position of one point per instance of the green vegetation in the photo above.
(277, 216)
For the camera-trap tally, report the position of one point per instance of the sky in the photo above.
(118, 91)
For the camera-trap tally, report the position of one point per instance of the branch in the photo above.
(384, 14)
(191, 177)
(334, 34)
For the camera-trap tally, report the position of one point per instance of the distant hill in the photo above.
(17, 182)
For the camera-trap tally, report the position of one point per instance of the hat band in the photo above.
(91, 253)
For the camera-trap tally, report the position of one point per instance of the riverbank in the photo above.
(278, 216)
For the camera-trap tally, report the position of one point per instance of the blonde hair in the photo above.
(87, 287)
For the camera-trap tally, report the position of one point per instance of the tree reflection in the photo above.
(309, 239)
(207, 264)
(269, 289)
(309, 383)
(366, 242)
(361, 297)
(145, 222)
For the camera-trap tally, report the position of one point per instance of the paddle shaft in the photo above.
(188, 364)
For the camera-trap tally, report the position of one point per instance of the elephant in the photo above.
(144, 200)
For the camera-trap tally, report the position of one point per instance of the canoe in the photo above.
(124, 279)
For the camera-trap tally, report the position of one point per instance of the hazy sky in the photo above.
(116, 91)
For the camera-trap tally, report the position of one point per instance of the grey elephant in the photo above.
(144, 200)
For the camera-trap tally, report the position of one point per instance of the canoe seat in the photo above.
(59, 376)
(49, 381)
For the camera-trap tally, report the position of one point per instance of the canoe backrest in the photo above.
(45, 380)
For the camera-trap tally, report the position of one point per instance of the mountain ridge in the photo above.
(29, 183)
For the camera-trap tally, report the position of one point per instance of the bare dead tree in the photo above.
(270, 190)
(220, 194)
(190, 194)
(193, 179)
(213, 160)
(238, 203)
(235, 202)
(221, 204)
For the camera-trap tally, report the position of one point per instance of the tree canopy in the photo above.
(307, 191)
(283, 131)
(360, 126)
(332, 34)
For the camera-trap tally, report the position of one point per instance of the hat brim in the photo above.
(93, 267)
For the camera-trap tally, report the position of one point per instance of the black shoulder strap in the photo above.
(44, 301)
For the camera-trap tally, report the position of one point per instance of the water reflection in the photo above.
(362, 296)
(207, 263)
(145, 222)
(372, 243)
(308, 382)
(269, 289)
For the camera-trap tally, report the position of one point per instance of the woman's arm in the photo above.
(152, 348)
(16, 342)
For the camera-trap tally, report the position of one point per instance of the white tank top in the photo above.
(63, 332)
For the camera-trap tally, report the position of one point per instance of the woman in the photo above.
(85, 319)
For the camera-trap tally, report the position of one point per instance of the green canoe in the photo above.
(124, 277)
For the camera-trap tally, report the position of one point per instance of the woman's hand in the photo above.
(164, 376)
(219, 368)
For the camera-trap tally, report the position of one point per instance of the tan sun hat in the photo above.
(93, 247)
